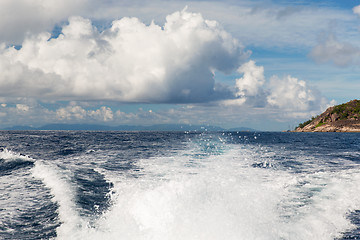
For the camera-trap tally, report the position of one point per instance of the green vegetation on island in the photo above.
(340, 118)
(301, 125)
(348, 110)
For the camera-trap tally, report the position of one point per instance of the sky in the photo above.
(263, 64)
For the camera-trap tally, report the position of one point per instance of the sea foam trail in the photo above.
(320, 208)
(212, 197)
(224, 197)
(63, 192)
(179, 205)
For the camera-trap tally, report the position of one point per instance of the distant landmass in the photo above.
(156, 127)
(340, 118)
(241, 129)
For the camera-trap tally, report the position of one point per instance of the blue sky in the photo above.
(263, 64)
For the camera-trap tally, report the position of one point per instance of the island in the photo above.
(341, 118)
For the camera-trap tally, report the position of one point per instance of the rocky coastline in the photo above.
(340, 118)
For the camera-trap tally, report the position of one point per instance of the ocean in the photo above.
(179, 185)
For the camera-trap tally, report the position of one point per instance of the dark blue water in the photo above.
(176, 185)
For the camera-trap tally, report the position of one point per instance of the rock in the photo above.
(340, 118)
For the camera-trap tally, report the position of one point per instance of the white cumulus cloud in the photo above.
(76, 112)
(71, 113)
(252, 80)
(129, 62)
(290, 93)
(104, 114)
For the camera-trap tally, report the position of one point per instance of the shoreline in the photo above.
(338, 126)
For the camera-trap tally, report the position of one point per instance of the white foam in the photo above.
(175, 201)
(63, 192)
(325, 216)
(212, 197)
(9, 155)
(223, 197)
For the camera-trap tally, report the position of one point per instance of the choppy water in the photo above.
(172, 185)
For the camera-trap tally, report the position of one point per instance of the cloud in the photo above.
(16, 110)
(341, 53)
(251, 81)
(231, 115)
(356, 10)
(249, 88)
(22, 107)
(290, 93)
(76, 112)
(104, 114)
(71, 113)
(174, 62)
(331, 50)
(21, 17)
(265, 24)
(79, 113)
(129, 62)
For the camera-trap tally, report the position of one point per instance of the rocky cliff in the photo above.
(340, 118)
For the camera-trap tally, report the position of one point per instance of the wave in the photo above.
(210, 191)
(75, 203)
(10, 161)
(63, 194)
(9, 155)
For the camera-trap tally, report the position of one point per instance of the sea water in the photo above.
(179, 185)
